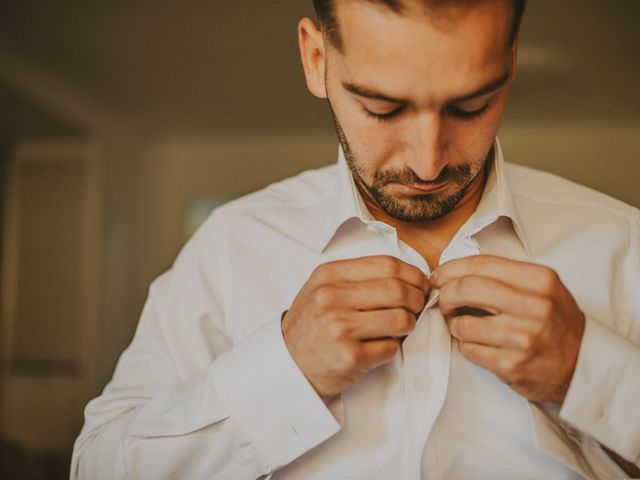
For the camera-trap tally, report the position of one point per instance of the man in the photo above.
(421, 309)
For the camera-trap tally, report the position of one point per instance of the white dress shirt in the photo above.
(207, 388)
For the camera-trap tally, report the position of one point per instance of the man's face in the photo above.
(417, 100)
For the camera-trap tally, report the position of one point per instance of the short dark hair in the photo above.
(325, 10)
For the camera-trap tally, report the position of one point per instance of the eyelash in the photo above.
(385, 117)
(456, 112)
(466, 115)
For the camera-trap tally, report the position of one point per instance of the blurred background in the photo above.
(122, 124)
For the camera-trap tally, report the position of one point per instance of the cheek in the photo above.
(373, 143)
(473, 139)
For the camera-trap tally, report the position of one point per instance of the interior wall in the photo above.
(4, 149)
(602, 156)
(117, 271)
(49, 312)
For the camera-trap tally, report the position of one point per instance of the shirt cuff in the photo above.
(270, 399)
(602, 400)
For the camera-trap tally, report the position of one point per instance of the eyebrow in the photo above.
(374, 95)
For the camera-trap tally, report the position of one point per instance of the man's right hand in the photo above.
(349, 316)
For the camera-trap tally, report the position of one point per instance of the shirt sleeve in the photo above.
(604, 394)
(596, 431)
(600, 409)
(249, 413)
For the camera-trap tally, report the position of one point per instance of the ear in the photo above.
(514, 56)
(313, 56)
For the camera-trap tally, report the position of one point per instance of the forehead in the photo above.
(447, 49)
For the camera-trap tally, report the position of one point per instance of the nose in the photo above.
(426, 145)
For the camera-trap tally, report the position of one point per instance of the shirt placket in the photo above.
(425, 362)
(425, 354)
(423, 367)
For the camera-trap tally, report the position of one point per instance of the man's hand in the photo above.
(532, 335)
(348, 317)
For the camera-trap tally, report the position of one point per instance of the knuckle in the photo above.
(464, 349)
(544, 308)
(319, 275)
(336, 328)
(404, 321)
(508, 368)
(324, 271)
(320, 270)
(526, 341)
(392, 348)
(538, 331)
(349, 357)
(420, 301)
(324, 296)
(480, 262)
(548, 279)
(390, 265)
(512, 370)
(446, 292)
(465, 285)
(467, 350)
(397, 289)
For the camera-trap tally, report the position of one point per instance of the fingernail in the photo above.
(426, 284)
(452, 327)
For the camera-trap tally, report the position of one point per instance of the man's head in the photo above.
(325, 10)
(417, 89)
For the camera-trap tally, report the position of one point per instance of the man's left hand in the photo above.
(515, 319)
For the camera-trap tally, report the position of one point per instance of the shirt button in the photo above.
(420, 383)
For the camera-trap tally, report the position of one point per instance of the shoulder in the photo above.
(536, 188)
(576, 229)
(302, 191)
(292, 207)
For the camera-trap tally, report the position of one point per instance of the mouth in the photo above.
(419, 190)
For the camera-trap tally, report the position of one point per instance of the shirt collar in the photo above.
(497, 201)
(346, 204)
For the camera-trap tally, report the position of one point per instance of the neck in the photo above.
(430, 238)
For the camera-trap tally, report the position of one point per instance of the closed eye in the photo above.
(467, 114)
(384, 117)
(457, 112)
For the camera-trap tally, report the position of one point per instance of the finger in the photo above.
(484, 293)
(371, 268)
(482, 355)
(378, 294)
(494, 331)
(505, 363)
(395, 322)
(528, 276)
(379, 352)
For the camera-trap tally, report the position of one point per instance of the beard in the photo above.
(411, 208)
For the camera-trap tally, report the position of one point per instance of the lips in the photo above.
(420, 190)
